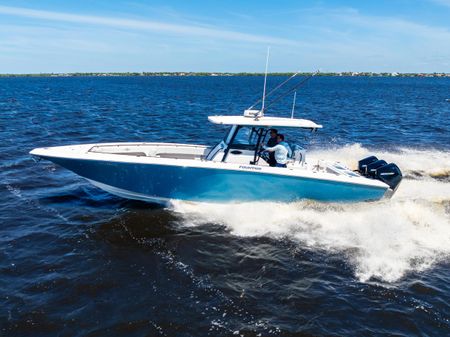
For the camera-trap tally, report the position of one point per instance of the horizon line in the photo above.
(185, 73)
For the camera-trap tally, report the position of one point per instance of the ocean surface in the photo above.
(76, 261)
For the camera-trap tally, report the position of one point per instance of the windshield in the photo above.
(246, 138)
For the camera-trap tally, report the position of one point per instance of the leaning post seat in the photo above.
(298, 154)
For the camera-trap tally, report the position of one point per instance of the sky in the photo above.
(224, 36)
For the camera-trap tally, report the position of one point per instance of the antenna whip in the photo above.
(265, 82)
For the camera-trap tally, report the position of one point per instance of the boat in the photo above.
(234, 170)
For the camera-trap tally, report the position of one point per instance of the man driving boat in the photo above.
(282, 150)
(271, 143)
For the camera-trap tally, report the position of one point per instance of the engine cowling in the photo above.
(372, 167)
(362, 164)
(390, 174)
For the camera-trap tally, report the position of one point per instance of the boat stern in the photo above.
(389, 174)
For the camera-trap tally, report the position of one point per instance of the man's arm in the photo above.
(270, 149)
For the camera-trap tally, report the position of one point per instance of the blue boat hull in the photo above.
(165, 182)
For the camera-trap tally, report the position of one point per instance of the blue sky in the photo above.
(70, 36)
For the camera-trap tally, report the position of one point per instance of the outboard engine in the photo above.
(362, 164)
(390, 174)
(372, 167)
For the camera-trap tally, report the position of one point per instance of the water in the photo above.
(75, 261)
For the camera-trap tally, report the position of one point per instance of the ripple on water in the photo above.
(76, 261)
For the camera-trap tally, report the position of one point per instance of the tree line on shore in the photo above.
(112, 74)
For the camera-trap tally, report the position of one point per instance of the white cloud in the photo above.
(336, 39)
(392, 25)
(176, 29)
(442, 2)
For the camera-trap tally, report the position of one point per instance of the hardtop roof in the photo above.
(264, 121)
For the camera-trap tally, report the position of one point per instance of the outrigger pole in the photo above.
(298, 85)
(275, 89)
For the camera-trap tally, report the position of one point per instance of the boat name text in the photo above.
(255, 168)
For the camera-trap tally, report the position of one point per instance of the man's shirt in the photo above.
(282, 150)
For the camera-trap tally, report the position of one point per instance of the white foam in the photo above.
(429, 162)
(382, 240)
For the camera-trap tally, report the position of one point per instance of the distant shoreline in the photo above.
(182, 74)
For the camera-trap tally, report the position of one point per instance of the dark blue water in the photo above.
(75, 261)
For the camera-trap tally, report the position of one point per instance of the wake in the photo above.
(382, 240)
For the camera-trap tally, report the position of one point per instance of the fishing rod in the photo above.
(298, 85)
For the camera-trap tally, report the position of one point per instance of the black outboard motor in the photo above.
(362, 164)
(372, 167)
(390, 174)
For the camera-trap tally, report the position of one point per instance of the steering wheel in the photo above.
(259, 153)
(264, 155)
